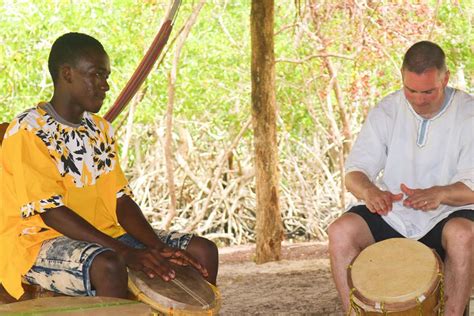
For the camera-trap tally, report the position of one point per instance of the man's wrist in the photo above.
(443, 193)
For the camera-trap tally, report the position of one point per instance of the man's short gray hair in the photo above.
(422, 56)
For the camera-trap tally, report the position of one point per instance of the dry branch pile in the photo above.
(197, 176)
(309, 191)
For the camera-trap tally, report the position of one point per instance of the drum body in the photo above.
(188, 294)
(396, 276)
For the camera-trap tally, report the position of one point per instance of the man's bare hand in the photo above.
(156, 261)
(422, 199)
(380, 202)
(182, 258)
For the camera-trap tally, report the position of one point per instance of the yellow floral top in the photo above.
(46, 164)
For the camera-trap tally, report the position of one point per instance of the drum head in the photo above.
(189, 291)
(394, 270)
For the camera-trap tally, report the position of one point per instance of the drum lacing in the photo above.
(441, 293)
(352, 303)
(419, 306)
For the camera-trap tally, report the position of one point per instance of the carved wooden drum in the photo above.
(188, 294)
(397, 276)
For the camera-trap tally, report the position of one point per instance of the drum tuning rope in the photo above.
(384, 311)
(441, 293)
(352, 303)
(419, 306)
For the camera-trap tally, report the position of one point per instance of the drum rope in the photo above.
(441, 293)
(352, 303)
(419, 306)
(190, 292)
(384, 311)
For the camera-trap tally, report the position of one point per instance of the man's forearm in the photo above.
(134, 222)
(71, 225)
(358, 183)
(456, 194)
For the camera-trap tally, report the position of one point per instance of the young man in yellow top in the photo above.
(67, 218)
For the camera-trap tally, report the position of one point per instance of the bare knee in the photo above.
(349, 230)
(109, 272)
(108, 263)
(203, 248)
(458, 234)
(206, 252)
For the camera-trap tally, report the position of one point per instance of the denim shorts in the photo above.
(63, 264)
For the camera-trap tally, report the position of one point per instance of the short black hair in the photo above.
(422, 56)
(68, 48)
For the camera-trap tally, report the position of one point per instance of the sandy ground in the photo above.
(299, 284)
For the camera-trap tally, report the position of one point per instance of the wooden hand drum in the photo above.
(188, 294)
(397, 276)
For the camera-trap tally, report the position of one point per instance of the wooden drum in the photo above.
(188, 294)
(397, 276)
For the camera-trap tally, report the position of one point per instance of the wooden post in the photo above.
(269, 228)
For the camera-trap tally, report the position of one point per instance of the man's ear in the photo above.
(446, 78)
(65, 72)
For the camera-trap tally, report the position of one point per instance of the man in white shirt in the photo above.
(412, 168)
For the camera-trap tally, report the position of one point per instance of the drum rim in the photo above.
(397, 306)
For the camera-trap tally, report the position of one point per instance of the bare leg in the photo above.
(348, 236)
(109, 275)
(457, 240)
(205, 251)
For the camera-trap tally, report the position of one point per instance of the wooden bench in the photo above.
(31, 292)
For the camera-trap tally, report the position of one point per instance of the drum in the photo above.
(397, 276)
(188, 294)
(77, 306)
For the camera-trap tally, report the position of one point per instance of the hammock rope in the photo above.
(146, 64)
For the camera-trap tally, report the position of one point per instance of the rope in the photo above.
(419, 306)
(352, 304)
(145, 65)
(441, 294)
(384, 311)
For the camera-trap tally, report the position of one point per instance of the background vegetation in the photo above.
(335, 60)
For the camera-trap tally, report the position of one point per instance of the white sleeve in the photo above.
(465, 167)
(369, 152)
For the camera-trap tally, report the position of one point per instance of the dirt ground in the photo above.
(299, 284)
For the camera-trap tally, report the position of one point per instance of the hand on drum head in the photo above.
(182, 258)
(155, 261)
(380, 202)
(150, 261)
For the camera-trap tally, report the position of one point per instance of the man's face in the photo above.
(425, 91)
(89, 80)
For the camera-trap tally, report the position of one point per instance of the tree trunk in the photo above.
(269, 228)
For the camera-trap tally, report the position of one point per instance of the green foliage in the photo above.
(214, 71)
(459, 44)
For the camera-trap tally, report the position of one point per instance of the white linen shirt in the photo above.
(396, 145)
